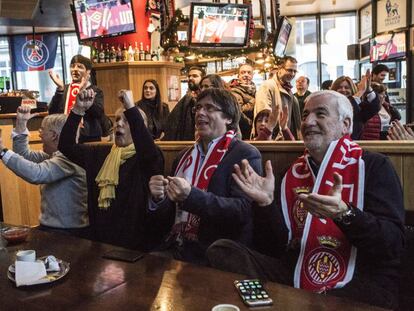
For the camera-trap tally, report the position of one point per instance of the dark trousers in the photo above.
(231, 256)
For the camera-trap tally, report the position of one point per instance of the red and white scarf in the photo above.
(327, 259)
(70, 99)
(186, 224)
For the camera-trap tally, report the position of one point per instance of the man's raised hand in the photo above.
(56, 79)
(259, 189)
(126, 98)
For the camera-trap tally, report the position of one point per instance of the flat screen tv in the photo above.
(282, 37)
(219, 25)
(388, 46)
(102, 18)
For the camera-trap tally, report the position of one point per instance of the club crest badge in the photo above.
(37, 56)
(299, 212)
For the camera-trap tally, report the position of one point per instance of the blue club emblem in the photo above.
(35, 57)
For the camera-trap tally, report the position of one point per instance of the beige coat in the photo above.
(271, 91)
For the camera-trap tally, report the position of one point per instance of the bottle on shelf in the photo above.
(112, 55)
(118, 53)
(141, 52)
(154, 56)
(147, 53)
(107, 54)
(102, 54)
(130, 53)
(94, 53)
(124, 53)
(136, 52)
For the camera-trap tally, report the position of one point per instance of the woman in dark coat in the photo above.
(156, 111)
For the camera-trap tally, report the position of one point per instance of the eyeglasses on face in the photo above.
(292, 71)
(207, 107)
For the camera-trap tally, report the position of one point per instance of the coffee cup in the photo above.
(26, 255)
(225, 307)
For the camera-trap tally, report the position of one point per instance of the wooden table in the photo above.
(153, 283)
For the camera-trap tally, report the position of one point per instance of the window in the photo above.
(5, 63)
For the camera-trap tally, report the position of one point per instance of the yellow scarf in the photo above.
(108, 176)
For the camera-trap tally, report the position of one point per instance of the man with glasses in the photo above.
(180, 122)
(201, 193)
(63, 188)
(276, 93)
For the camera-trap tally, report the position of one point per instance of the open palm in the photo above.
(259, 189)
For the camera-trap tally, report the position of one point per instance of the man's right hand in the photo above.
(259, 189)
(158, 187)
(57, 80)
(23, 115)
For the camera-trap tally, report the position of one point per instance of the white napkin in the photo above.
(51, 264)
(30, 273)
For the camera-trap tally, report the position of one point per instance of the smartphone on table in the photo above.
(253, 293)
(123, 255)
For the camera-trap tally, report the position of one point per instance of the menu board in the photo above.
(391, 15)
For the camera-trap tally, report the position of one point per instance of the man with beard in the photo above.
(180, 122)
(277, 93)
(336, 226)
(244, 90)
(65, 97)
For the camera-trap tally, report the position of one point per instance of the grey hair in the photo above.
(54, 122)
(343, 105)
(143, 114)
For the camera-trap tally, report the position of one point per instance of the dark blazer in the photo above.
(224, 210)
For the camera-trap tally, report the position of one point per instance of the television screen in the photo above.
(282, 37)
(102, 18)
(388, 46)
(219, 25)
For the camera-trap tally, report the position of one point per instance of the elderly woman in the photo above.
(117, 200)
(365, 102)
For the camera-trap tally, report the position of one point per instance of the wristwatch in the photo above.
(347, 217)
(3, 152)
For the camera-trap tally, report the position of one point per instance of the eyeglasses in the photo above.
(207, 107)
(292, 71)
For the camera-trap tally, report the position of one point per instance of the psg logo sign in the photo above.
(35, 55)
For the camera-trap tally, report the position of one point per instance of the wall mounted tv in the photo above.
(282, 37)
(388, 46)
(219, 25)
(102, 18)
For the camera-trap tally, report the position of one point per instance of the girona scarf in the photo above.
(327, 259)
(186, 224)
(108, 176)
(70, 100)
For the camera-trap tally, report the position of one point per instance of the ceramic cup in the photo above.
(26, 255)
(225, 307)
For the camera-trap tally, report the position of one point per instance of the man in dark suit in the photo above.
(208, 204)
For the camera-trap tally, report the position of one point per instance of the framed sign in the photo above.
(391, 15)
(365, 21)
(388, 46)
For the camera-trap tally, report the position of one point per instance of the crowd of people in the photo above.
(334, 225)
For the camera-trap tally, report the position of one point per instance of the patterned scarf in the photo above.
(71, 97)
(108, 176)
(186, 224)
(327, 259)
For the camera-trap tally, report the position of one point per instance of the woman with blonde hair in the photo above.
(364, 101)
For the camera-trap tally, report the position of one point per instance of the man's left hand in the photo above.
(326, 206)
(178, 189)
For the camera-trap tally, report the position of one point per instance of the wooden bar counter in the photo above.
(111, 77)
(152, 283)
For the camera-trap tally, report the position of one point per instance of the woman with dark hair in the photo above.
(156, 111)
(212, 80)
(377, 127)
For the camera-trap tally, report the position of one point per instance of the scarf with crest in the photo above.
(327, 259)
